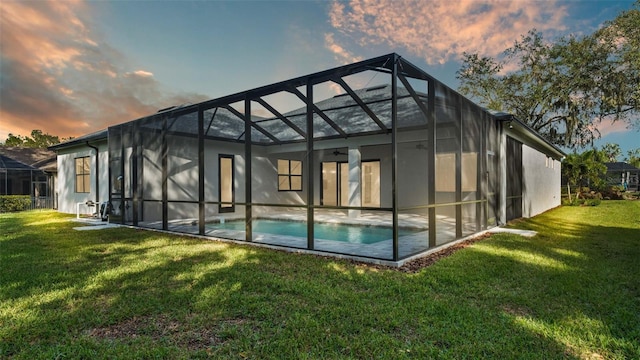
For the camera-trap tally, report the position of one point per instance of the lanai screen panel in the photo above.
(223, 170)
(470, 167)
(116, 177)
(128, 171)
(224, 124)
(278, 173)
(182, 171)
(413, 158)
(493, 171)
(514, 179)
(150, 169)
(447, 164)
(361, 157)
(15, 182)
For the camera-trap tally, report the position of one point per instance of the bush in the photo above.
(613, 193)
(573, 202)
(594, 201)
(591, 195)
(11, 203)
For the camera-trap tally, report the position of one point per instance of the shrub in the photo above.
(613, 193)
(584, 189)
(591, 195)
(11, 203)
(592, 202)
(573, 202)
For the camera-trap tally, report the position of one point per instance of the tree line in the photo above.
(38, 139)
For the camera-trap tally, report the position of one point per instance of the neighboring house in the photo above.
(622, 174)
(28, 171)
(384, 172)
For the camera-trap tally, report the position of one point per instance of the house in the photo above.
(28, 171)
(321, 163)
(624, 175)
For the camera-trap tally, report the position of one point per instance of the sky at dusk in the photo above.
(73, 67)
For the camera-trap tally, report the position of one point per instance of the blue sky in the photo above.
(74, 67)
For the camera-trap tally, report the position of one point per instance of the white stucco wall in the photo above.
(66, 181)
(182, 182)
(541, 177)
(540, 182)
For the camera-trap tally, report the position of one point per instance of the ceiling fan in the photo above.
(336, 153)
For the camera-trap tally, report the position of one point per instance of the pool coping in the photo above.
(320, 253)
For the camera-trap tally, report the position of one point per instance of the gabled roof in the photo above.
(620, 166)
(95, 136)
(21, 158)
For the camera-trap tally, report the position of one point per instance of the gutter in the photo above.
(97, 173)
(525, 130)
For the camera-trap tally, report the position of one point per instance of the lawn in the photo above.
(572, 291)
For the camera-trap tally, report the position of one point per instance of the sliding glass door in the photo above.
(335, 184)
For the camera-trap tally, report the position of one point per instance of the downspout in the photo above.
(97, 174)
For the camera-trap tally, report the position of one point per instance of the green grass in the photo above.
(573, 291)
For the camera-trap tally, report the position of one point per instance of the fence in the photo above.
(12, 203)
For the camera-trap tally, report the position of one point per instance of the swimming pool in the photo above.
(338, 232)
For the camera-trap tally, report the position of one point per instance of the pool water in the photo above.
(338, 232)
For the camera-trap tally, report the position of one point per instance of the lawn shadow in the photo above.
(125, 291)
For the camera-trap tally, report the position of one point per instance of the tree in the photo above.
(633, 157)
(584, 169)
(37, 140)
(14, 140)
(611, 152)
(563, 89)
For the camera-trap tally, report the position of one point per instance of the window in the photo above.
(289, 175)
(225, 180)
(83, 175)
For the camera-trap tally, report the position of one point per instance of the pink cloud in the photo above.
(607, 127)
(341, 54)
(441, 30)
(62, 78)
(143, 73)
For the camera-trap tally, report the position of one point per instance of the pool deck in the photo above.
(409, 246)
